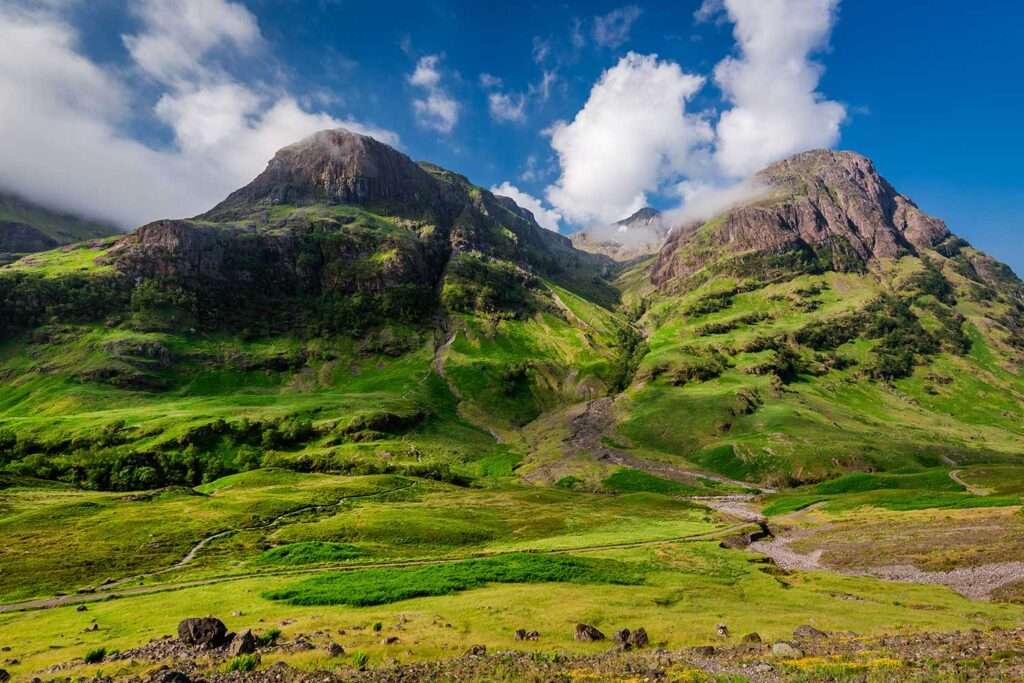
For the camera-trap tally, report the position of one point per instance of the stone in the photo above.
(4, 676)
(477, 651)
(205, 632)
(752, 638)
(390, 640)
(705, 650)
(785, 650)
(722, 630)
(170, 676)
(81, 608)
(91, 627)
(523, 634)
(806, 631)
(622, 637)
(639, 638)
(586, 632)
(242, 644)
(335, 650)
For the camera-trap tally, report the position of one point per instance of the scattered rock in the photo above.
(91, 628)
(335, 650)
(206, 632)
(170, 676)
(722, 630)
(81, 608)
(785, 650)
(806, 631)
(523, 634)
(705, 650)
(4, 676)
(752, 638)
(242, 644)
(586, 632)
(622, 638)
(764, 668)
(390, 640)
(476, 651)
(639, 638)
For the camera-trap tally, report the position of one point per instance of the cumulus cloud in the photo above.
(436, 109)
(634, 136)
(546, 218)
(772, 85)
(631, 137)
(67, 120)
(612, 29)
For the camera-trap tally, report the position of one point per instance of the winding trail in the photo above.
(105, 593)
(273, 521)
(971, 488)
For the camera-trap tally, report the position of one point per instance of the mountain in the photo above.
(350, 302)
(27, 227)
(641, 234)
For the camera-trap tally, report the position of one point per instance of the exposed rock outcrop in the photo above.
(824, 209)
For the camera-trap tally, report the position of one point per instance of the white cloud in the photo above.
(178, 34)
(634, 137)
(631, 137)
(436, 109)
(612, 29)
(541, 49)
(546, 218)
(65, 119)
(772, 84)
(490, 81)
(505, 107)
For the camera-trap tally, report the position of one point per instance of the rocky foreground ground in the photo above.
(204, 651)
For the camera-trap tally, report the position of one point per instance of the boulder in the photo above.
(170, 676)
(639, 638)
(476, 651)
(752, 638)
(705, 650)
(586, 632)
(785, 650)
(523, 634)
(81, 608)
(390, 640)
(335, 650)
(806, 631)
(243, 643)
(722, 630)
(622, 638)
(206, 632)
(4, 676)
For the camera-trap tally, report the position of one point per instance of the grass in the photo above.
(367, 587)
(95, 655)
(242, 663)
(635, 481)
(310, 552)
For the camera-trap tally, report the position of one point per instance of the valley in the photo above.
(365, 403)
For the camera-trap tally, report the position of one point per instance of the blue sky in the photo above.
(159, 107)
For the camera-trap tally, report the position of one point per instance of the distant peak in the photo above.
(644, 216)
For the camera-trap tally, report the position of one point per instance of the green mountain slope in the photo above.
(27, 227)
(352, 310)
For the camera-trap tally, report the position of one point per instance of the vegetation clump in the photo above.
(367, 587)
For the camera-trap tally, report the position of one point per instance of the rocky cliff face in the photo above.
(832, 208)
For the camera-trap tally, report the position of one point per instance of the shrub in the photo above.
(95, 655)
(242, 663)
(359, 660)
(309, 552)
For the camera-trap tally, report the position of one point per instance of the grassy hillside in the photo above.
(63, 228)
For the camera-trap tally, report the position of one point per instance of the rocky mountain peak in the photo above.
(334, 166)
(645, 216)
(823, 208)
